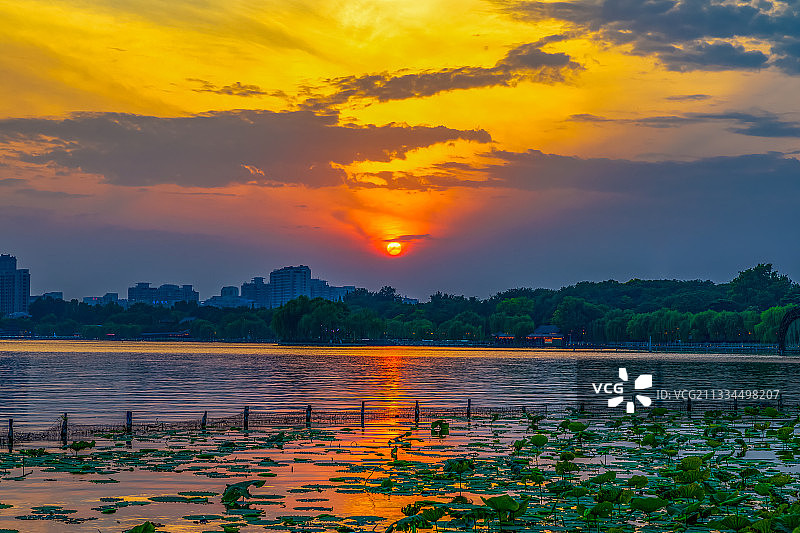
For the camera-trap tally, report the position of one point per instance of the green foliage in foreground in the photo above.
(147, 527)
(652, 472)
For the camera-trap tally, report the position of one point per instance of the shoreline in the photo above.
(720, 348)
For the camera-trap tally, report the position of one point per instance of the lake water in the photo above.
(96, 382)
(333, 469)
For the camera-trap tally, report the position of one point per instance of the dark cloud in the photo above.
(39, 193)
(202, 193)
(215, 149)
(713, 56)
(753, 124)
(685, 35)
(234, 89)
(536, 171)
(523, 63)
(673, 181)
(765, 125)
(448, 175)
(689, 97)
(410, 238)
(11, 182)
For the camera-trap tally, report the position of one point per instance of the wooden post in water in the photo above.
(308, 416)
(246, 421)
(735, 404)
(64, 430)
(469, 408)
(416, 413)
(524, 410)
(204, 421)
(689, 405)
(10, 435)
(780, 400)
(362, 412)
(129, 422)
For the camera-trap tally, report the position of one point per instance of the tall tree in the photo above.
(759, 287)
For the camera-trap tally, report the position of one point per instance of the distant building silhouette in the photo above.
(109, 297)
(285, 284)
(257, 292)
(288, 283)
(55, 295)
(229, 292)
(15, 286)
(166, 295)
(321, 289)
(229, 297)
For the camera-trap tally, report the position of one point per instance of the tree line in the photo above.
(747, 309)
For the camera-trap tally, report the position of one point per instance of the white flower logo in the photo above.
(644, 381)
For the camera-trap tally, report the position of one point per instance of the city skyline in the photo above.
(141, 291)
(497, 143)
(256, 287)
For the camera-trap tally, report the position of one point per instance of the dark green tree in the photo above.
(575, 315)
(759, 287)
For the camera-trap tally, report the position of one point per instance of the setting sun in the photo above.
(394, 248)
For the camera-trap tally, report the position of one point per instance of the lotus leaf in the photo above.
(409, 523)
(692, 476)
(648, 505)
(605, 477)
(147, 527)
(459, 465)
(601, 510)
(577, 427)
(433, 514)
(559, 487)
(731, 523)
(763, 489)
(236, 491)
(637, 482)
(538, 441)
(691, 463)
(440, 428)
(779, 480)
(693, 491)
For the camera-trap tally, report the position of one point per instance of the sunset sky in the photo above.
(502, 143)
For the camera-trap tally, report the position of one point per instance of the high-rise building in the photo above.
(288, 283)
(166, 295)
(321, 289)
(15, 286)
(229, 297)
(229, 292)
(257, 292)
(108, 298)
(142, 293)
(53, 295)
